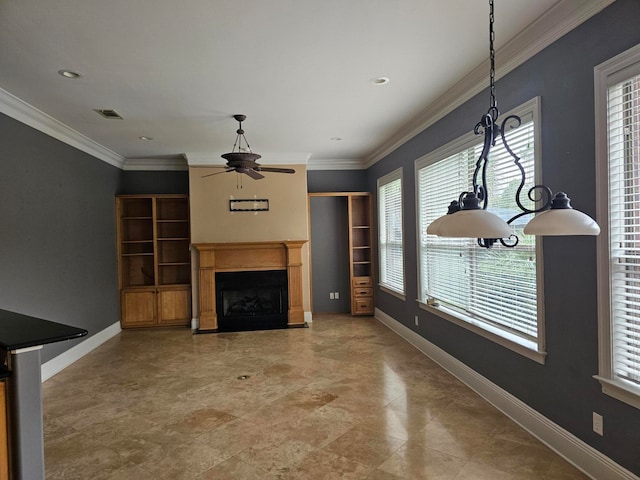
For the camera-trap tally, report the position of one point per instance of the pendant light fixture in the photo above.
(468, 216)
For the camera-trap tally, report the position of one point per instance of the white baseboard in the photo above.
(308, 317)
(584, 457)
(62, 361)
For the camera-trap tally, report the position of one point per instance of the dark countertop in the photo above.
(22, 331)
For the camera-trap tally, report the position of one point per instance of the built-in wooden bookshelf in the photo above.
(154, 267)
(361, 253)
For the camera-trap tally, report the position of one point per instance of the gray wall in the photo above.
(150, 182)
(57, 234)
(336, 181)
(57, 241)
(330, 254)
(563, 389)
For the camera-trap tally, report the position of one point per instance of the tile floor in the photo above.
(344, 399)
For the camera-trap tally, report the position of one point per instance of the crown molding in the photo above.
(555, 23)
(203, 159)
(150, 164)
(18, 109)
(335, 164)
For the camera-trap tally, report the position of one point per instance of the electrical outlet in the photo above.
(598, 424)
(337, 295)
(331, 296)
(416, 320)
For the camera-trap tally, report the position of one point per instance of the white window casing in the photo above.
(391, 233)
(617, 104)
(493, 292)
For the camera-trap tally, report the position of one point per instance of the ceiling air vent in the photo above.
(109, 113)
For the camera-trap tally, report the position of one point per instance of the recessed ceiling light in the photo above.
(336, 139)
(144, 137)
(379, 81)
(69, 74)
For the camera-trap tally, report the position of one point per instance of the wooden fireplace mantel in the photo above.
(248, 256)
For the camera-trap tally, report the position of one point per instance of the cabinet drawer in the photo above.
(362, 282)
(363, 305)
(363, 292)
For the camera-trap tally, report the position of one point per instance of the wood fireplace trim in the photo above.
(248, 256)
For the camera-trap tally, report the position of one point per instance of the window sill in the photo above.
(512, 342)
(393, 292)
(619, 391)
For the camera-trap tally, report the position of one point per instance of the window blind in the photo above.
(496, 286)
(390, 219)
(624, 227)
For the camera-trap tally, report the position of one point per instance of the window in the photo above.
(390, 232)
(490, 291)
(618, 150)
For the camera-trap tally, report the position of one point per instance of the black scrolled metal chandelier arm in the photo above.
(535, 193)
(488, 125)
(545, 192)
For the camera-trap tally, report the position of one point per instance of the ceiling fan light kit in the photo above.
(242, 159)
(468, 216)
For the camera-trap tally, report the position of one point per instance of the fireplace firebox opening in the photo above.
(252, 300)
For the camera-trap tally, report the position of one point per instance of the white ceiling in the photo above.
(299, 69)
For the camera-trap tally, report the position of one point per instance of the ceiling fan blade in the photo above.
(218, 173)
(276, 170)
(253, 174)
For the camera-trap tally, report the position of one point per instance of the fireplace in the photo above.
(251, 300)
(213, 259)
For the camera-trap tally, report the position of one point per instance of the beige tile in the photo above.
(76, 456)
(456, 440)
(364, 446)
(235, 469)
(131, 472)
(240, 434)
(345, 398)
(184, 461)
(382, 475)
(200, 421)
(483, 421)
(319, 428)
(415, 461)
(276, 458)
(391, 422)
(323, 465)
(481, 471)
(563, 470)
(514, 457)
(509, 430)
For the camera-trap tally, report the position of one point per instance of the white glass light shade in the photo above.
(562, 221)
(473, 224)
(433, 227)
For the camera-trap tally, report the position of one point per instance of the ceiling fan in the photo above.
(242, 160)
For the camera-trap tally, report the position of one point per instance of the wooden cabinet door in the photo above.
(4, 442)
(138, 307)
(174, 306)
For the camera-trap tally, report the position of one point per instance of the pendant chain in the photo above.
(492, 58)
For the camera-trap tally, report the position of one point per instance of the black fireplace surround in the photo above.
(252, 300)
